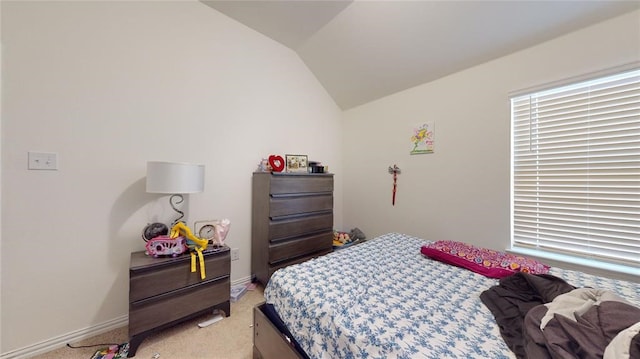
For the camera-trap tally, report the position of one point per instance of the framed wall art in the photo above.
(296, 163)
(422, 138)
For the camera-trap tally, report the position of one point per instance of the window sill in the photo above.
(591, 266)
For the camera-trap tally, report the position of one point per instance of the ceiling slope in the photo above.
(364, 50)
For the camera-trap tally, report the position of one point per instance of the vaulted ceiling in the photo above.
(364, 50)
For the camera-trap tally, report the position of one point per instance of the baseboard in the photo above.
(62, 340)
(245, 280)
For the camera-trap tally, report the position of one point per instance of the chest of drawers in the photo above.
(292, 220)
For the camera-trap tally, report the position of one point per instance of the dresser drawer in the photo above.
(297, 247)
(163, 309)
(288, 205)
(292, 227)
(276, 266)
(301, 184)
(175, 275)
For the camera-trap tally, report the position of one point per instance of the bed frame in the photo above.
(268, 341)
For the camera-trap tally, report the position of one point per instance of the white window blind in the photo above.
(576, 169)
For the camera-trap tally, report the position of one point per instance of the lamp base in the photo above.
(174, 200)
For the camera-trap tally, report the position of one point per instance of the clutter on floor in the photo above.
(237, 291)
(112, 352)
(216, 318)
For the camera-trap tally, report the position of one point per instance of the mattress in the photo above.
(383, 299)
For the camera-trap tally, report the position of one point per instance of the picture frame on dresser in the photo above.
(297, 163)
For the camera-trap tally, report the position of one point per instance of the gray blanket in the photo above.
(514, 296)
(583, 324)
(544, 317)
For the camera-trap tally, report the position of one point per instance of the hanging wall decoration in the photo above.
(422, 139)
(395, 170)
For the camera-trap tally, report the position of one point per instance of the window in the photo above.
(576, 170)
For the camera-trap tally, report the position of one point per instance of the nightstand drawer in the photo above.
(282, 229)
(157, 311)
(294, 248)
(288, 205)
(301, 184)
(148, 282)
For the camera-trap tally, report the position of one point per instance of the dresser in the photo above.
(292, 220)
(164, 291)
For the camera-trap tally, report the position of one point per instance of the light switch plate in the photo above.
(43, 161)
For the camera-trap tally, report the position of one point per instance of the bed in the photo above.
(385, 299)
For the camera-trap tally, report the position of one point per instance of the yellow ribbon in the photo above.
(203, 274)
(202, 269)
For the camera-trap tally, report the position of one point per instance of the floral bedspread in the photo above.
(384, 299)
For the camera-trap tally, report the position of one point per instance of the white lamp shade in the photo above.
(174, 177)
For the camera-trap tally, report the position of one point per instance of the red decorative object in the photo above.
(276, 162)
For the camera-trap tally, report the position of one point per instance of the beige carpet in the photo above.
(230, 338)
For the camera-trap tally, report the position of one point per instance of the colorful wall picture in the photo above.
(422, 139)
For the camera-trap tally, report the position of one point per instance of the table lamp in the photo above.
(175, 178)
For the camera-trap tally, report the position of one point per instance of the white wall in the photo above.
(108, 86)
(461, 192)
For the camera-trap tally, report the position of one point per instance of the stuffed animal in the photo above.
(340, 238)
(344, 238)
(356, 234)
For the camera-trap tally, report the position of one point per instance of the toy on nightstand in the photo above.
(166, 246)
(222, 229)
(194, 243)
(153, 230)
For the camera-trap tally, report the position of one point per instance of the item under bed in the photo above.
(384, 299)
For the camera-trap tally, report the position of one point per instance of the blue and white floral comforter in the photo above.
(383, 299)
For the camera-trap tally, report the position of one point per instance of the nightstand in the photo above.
(164, 292)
